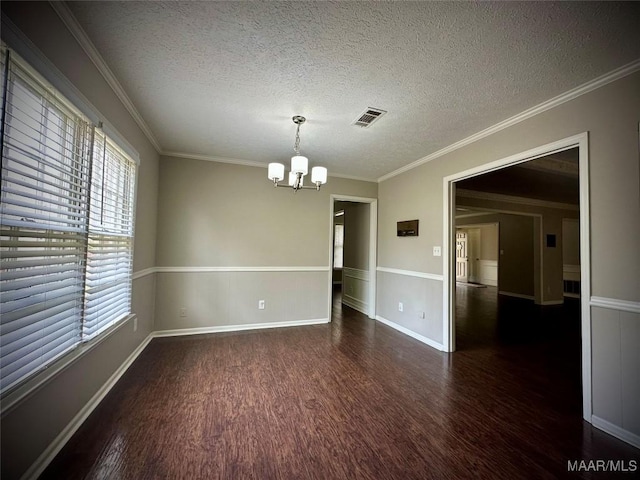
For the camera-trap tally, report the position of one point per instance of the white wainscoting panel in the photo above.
(488, 272)
(355, 289)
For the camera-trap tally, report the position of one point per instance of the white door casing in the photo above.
(449, 236)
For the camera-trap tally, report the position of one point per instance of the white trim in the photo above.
(143, 273)
(411, 273)
(356, 273)
(63, 437)
(355, 303)
(179, 332)
(516, 295)
(87, 45)
(615, 304)
(499, 197)
(240, 269)
(246, 163)
(582, 142)
(411, 333)
(616, 431)
(373, 246)
(585, 276)
(587, 87)
(211, 158)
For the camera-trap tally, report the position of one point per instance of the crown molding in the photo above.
(587, 87)
(213, 158)
(87, 45)
(499, 197)
(246, 163)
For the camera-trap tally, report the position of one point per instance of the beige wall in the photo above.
(570, 242)
(489, 242)
(33, 423)
(227, 216)
(356, 227)
(548, 260)
(516, 265)
(611, 115)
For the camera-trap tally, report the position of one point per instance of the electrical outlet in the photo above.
(135, 324)
(437, 251)
(400, 307)
(260, 304)
(183, 312)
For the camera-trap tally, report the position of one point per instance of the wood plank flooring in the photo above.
(350, 399)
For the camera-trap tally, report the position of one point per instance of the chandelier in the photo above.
(299, 167)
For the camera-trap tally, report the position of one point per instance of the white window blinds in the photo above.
(110, 253)
(338, 245)
(66, 228)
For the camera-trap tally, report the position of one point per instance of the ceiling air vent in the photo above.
(369, 116)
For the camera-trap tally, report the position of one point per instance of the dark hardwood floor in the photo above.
(350, 399)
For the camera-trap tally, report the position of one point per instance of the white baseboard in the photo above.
(411, 333)
(237, 328)
(63, 437)
(516, 295)
(355, 303)
(616, 431)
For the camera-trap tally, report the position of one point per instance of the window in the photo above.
(66, 226)
(338, 245)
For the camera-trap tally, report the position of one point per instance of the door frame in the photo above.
(581, 141)
(373, 247)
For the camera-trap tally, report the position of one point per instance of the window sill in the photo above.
(18, 394)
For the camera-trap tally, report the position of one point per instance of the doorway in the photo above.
(357, 276)
(579, 142)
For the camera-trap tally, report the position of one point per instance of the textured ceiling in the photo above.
(223, 79)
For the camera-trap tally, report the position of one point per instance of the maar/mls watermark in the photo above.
(602, 466)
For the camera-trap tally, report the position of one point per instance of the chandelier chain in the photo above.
(296, 147)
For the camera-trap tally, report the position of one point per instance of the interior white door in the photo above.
(462, 258)
(473, 253)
